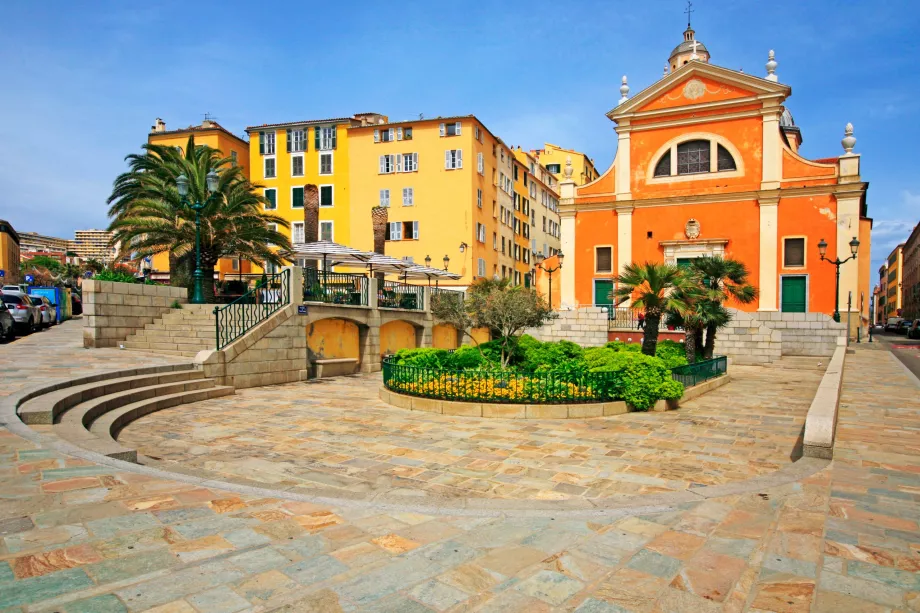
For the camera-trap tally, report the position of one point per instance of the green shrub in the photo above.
(423, 357)
(672, 352)
(115, 275)
(641, 380)
(621, 346)
(464, 358)
(561, 356)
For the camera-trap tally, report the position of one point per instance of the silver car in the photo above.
(26, 315)
(49, 312)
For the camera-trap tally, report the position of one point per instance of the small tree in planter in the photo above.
(496, 305)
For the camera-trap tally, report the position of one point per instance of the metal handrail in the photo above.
(701, 370)
(398, 295)
(334, 287)
(627, 318)
(252, 308)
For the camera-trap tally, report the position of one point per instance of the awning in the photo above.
(328, 250)
(427, 272)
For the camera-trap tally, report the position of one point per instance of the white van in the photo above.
(893, 323)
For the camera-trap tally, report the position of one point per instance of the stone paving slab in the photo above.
(335, 435)
(79, 537)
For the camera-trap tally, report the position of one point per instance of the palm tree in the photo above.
(655, 288)
(148, 216)
(722, 280)
(700, 314)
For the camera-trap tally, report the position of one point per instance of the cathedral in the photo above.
(708, 163)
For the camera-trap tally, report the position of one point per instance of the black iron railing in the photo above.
(501, 386)
(398, 295)
(627, 318)
(334, 287)
(271, 293)
(701, 370)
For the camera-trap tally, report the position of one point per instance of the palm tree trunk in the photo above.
(208, 262)
(710, 345)
(690, 336)
(650, 334)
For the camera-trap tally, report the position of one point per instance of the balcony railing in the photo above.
(627, 318)
(397, 295)
(334, 287)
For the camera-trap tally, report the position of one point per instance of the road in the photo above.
(907, 351)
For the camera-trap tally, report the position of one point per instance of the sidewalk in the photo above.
(77, 537)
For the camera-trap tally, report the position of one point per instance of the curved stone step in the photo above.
(85, 413)
(43, 407)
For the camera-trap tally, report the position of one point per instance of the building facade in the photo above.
(32, 241)
(447, 185)
(910, 278)
(894, 270)
(286, 157)
(540, 201)
(212, 134)
(9, 254)
(554, 157)
(881, 295)
(708, 163)
(94, 244)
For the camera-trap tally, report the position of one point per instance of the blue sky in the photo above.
(83, 81)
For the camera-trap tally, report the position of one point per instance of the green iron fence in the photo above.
(334, 287)
(397, 295)
(501, 386)
(701, 370)
(270, 295)
(627, 318)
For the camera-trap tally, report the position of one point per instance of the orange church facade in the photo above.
(707, 163)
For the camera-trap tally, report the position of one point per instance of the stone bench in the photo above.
(334, 367)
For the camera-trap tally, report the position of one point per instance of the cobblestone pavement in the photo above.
(79, 537)
(337, 434)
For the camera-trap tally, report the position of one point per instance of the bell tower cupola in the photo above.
(690, 48)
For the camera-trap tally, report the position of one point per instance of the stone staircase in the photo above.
(182, 332)
(90, 411)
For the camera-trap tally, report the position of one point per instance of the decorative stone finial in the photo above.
(568, 168)
(624, 91)
(849, 141)
(771, 67)
(665, 70)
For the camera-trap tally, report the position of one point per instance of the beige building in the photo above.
(32, 241)
(554, 157)
(95, 244)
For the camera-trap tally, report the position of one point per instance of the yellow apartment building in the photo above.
(212, 134)
(447, 184)
(543, 192)
(521, 228)
(895, 269)
(9, 254)
(286, 157)
(553, 157)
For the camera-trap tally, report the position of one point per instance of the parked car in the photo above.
(903, 325)
(914, 330)
(76, 304)
(893, 323)
(27, 316)
(49, 312)
(7, 323)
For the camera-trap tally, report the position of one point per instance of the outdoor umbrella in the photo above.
(328, 249)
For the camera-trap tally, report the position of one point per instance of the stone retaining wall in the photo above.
(821, 420)
(586, 326)
(761, 338)
(114, 311)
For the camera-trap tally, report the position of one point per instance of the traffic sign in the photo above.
(2, 273)
(29, 278)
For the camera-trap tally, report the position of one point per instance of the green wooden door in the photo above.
(684, 262)
(794, 295)
(602, 289)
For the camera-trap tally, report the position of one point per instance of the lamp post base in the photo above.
(198, 291)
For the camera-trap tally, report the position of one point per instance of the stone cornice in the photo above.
(848, 190)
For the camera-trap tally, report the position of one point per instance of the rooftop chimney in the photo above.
(159, 126)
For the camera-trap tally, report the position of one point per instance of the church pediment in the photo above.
(697, 83)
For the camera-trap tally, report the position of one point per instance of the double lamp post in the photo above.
(822, 250)
(539, 258)
(182, 187)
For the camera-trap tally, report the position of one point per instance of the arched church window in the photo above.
(693, 157)
(663, 168)
(726, 161)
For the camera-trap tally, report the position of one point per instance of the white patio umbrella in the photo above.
(327, 249)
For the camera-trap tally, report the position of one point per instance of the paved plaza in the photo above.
(718, 533)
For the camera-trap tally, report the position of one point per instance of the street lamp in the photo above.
(428, 261)
(446, 262)
(539, 257)
(822, 250)
(182, 186)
